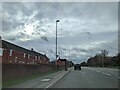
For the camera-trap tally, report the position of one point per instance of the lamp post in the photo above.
(56, 40)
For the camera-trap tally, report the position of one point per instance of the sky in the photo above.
(85, 28)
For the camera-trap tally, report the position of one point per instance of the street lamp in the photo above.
(56, 41)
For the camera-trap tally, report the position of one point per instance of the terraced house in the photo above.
(15, 54)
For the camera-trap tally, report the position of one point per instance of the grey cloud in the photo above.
(82, 10)
(9, 25)
(10, 10)
(81, 25)
(44, 38)
(13, 8)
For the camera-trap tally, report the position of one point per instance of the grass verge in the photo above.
(9, 83)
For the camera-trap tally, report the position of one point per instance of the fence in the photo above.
(14, 71)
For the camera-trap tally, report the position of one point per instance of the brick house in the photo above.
(64, 62)
(61, 62)
(12, 53)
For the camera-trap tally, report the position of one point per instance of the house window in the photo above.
(41, 57)
(28, 55)
(24, 55)
(10, 52)
(35, 57)
(1, 52)
(15, 59)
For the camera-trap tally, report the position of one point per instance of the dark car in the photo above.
(77, 67)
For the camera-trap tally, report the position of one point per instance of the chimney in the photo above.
(31, 49)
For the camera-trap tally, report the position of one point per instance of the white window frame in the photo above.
(35, 57)
(39, 58)
(24, 55)
(15, 59)
(1, 51)
(28, 55)
(11, 51)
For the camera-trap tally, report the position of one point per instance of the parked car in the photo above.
(77, 67)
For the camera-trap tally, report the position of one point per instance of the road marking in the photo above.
(97, 71)
(45, 80)
(83, 72)
(55, 81)
(107, 74)
(114, 69)
(101, 70)
(118, 77)
(111, 69)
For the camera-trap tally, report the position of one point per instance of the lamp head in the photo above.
(57, 20)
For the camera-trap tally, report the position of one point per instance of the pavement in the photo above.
(44, 81)
(89, 77)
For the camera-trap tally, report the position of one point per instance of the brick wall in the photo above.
(14, 71)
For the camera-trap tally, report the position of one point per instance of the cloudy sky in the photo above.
(85, 28)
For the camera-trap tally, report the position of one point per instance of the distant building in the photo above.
(107, 61)
(12, 53)
(61, 62)
(64, 62)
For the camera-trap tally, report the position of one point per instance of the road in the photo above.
(86, 78)
(41, 82)
(89, 78)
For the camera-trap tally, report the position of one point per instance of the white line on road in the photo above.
(107, 74)
(55, 81)
(97, 71)
(111, 69)
(83, 72)
(45, 80)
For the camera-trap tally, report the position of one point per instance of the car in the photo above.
(77, 67)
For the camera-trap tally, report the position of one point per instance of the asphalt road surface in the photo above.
(89, 78)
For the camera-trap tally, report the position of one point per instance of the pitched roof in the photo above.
(8, 45)
(62, 59)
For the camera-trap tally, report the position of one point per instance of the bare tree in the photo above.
(104, 54)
